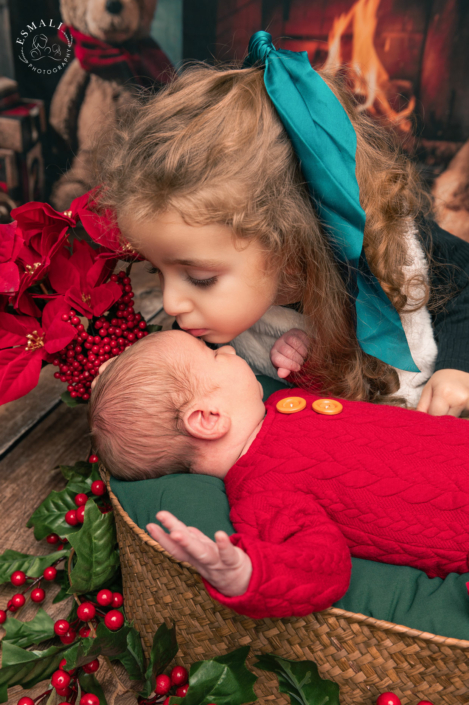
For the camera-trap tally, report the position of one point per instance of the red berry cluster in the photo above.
(392, 699)
(87, 612)
(18, 578)
(98, 488)
(105, 337)
(177, 680)
(65, 684)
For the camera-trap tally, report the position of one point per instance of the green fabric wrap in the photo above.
(394, 593)
(325, 143)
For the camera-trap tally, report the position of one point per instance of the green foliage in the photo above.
(23, 634)
(300, 680)
(224, 680)
(153, 328)
(27, 668)
(31, 565)
(82, 467)
(77, 482)
(95, 547)
(70, 401)
(63, 581)
(124, 646)
(89, 684)
(163, 650)
(49, 517)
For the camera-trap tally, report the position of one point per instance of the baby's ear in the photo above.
(206, 425)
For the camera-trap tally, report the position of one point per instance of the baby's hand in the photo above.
(446, 392)
(226, 567)
(289, 352)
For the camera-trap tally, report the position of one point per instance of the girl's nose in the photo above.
(174, 302)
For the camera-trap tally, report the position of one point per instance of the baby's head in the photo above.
(170, 404)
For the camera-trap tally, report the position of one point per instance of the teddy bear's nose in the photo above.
(114, 6)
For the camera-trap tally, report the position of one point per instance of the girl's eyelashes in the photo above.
(153, 270)
(202, 282)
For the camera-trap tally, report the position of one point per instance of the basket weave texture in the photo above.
(365, 656)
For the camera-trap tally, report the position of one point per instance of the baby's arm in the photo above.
(289, 352)
(225, 566)
(446, 392)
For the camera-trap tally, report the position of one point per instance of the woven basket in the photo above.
(365, 656)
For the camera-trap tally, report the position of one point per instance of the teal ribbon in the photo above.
(325, 143)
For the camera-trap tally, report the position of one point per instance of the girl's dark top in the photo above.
(449, 282)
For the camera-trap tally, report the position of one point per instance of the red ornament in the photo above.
(98, 488)
(84, 631)
(50, 573)
(114, 620)
(93, 459)
(388, 699)
(163, 684)
(182, 691)
(18, 578)
(71, 517)
(60, 679)
(91, 667)
(53, 538)
(179, 676)
(104, 598)
(81, 499)
(80, 514)
(25, 701)
(117, 600)
(61, 627)
(38, 595)
(89, 699)
(69, 637)
(3, 616)
(86, 611)
(18, 600)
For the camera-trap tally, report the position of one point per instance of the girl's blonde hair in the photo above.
(211, 145)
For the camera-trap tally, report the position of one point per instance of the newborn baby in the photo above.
(306, 488)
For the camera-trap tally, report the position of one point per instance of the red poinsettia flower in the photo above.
(24, 344)
(11, 243)
(34, 217)
(80, 278)
(102, 227)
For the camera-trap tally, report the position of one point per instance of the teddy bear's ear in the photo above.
(73, 12)
(148, 8)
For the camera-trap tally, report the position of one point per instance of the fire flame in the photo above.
(370, 80)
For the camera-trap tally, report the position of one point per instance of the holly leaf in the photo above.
(79, 483)
(300, 680)
(70, 401)
(49, 517)
(89, 684)
(23, 634)
(95, 547)
(27, 668)
(163, 650)
(62, 579)
(31, 565)
(224, 680)
(82, 467)
(153, 328)
(124, 646)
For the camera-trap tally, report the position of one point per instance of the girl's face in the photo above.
(215, 286)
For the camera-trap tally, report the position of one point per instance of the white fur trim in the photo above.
(255, 344)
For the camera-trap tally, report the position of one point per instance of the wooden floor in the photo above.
(37, 434)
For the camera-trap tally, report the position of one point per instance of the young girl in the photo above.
(247, 189)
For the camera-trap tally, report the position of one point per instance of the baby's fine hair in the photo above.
(135, 410)
(211, 146)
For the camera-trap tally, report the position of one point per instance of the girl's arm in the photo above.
(299, 560)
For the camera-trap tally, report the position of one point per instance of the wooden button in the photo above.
(329, 407)
(290, 405)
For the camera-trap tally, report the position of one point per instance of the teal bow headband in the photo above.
(325, 143)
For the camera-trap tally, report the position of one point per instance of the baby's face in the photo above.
(214, 286)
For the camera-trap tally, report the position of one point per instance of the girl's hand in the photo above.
(289, 352)
(226, 567)
(446, 392)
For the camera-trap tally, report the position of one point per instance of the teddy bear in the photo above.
(114, 58)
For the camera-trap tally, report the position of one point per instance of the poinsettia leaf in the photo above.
(300, 680)
(49, 517)
(20, 373)
(23, 634)
(95, 547)
(82, 467)
(163, 650)
(27, 668)
(89, 684)
(224, 680)
(70, 401)
(31, 565)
